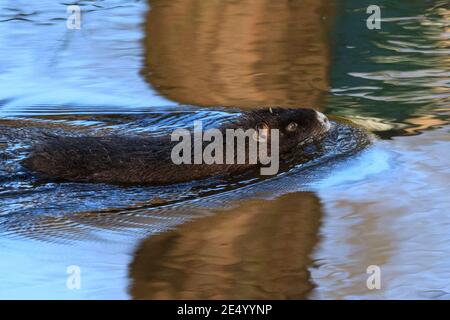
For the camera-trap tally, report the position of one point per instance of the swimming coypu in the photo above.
(147, 160)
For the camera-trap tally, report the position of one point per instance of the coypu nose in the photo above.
(323, 120)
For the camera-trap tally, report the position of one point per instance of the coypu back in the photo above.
(115, 159)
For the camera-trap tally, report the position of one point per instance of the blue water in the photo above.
(148, 68)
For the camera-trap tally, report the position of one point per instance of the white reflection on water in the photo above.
(372, 162)
(397, 218)
(37, 270)
(42, 63)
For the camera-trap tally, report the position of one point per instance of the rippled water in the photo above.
(148, 68)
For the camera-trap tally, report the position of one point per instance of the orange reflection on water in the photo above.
(239, 53)
(258, 250)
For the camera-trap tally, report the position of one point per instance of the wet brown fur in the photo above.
(147, 160)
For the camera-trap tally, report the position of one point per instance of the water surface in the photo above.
(148, 68)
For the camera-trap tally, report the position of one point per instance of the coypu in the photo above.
(148, 160)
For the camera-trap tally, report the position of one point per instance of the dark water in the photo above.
(310, 232)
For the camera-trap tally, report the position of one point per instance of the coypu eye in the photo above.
(292, 126)
(261, 134)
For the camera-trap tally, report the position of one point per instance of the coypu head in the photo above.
(296, 126)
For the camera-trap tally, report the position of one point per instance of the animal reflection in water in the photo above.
(258, 250)
(239, 53)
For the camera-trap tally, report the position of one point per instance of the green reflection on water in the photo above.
(399, 74)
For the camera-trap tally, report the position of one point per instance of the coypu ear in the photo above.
(261, 132)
